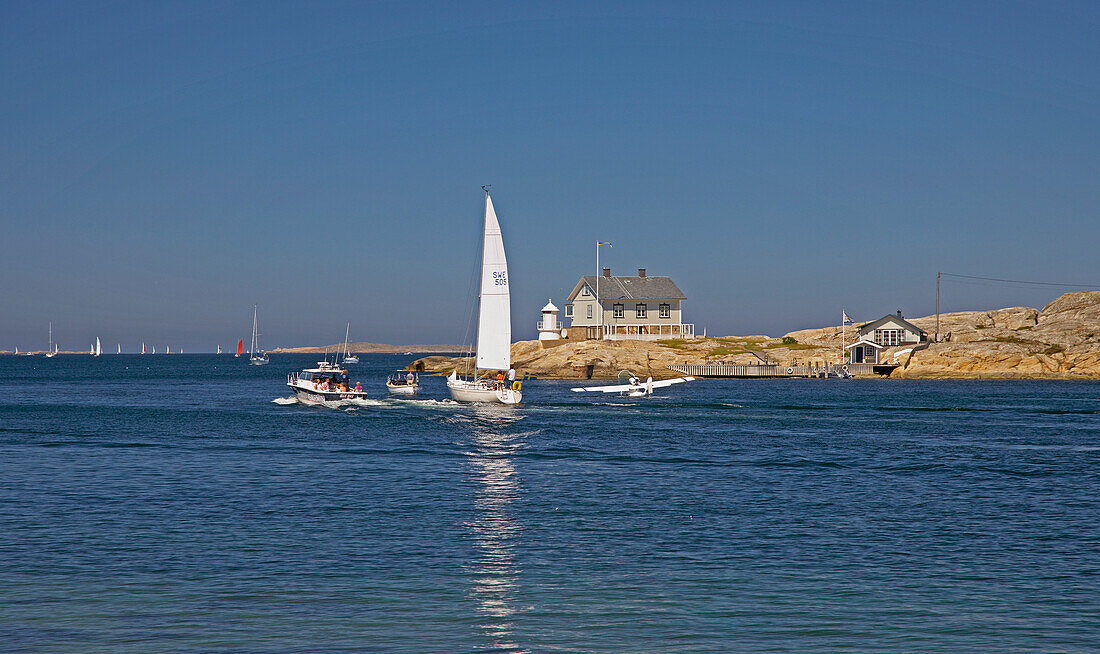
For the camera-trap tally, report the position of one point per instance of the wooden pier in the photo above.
(754, 371)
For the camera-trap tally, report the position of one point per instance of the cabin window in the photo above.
(584, 291)
(590, 311)
(569, 311)
(888, 336)
(666, 310)
(639, 310)
(618, 310)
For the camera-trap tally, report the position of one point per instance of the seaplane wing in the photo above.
(670, 382)
(644, 387)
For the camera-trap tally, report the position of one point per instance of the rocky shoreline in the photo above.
(1059, 341)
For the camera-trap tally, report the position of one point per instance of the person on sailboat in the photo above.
(511, 375)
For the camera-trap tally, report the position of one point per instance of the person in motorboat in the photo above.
(409, 378)
(358, 387)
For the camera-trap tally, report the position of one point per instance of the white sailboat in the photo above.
(51, 351)
(154, 349)
(256, 356)
(98, 349)
(119, 349)
(219, 349)
(494, 323)
(348, 358)
(143, 348)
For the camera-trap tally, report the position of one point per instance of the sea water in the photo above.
(182, 503)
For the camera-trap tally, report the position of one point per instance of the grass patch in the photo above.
(725, 351)
(674, 343)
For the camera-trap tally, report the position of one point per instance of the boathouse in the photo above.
(638, 307)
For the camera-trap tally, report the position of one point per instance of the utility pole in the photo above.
(938, 306)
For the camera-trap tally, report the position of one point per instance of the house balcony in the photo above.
(648, 332)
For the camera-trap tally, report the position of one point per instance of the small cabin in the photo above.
(891, 330)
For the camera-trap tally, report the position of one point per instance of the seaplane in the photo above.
(632, 386)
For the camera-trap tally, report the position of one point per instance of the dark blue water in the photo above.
(167, 504)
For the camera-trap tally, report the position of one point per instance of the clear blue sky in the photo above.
(163, 166)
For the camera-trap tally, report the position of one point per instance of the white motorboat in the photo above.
(494, 323)
(325, 383)
(256, 356)
(402, 383)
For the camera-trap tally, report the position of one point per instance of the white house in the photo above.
(638, 307)
(877, 335)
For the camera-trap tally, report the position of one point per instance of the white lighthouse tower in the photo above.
(548, 328)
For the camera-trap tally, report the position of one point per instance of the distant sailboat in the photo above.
(348, 358)
(50, 351)
(256, 356)
(494, 323)
(98, 349)
(154, 349)
(219, 349)
(143, 348)
(167, 349)
(119, 348)
(240, 348)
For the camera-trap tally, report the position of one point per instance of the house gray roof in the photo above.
(631, 288)
(896, 318)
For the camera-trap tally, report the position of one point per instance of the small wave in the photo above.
(285, 400)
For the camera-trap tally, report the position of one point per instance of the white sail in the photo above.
(98, 349)
(143, 348)
(494, 321)
(154, 349)
(120, 348)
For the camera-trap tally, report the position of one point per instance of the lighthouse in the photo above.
(548, 327)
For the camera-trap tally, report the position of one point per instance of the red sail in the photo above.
(240, 346)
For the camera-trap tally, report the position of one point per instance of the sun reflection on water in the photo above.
(495, 570)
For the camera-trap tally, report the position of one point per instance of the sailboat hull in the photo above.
(463, 390)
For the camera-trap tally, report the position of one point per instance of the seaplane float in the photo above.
(632, 386)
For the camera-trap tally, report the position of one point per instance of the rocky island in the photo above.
(1059, 341)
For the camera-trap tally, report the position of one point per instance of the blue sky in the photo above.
(163, 166)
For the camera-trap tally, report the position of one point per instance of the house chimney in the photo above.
(899, 313)
(641, 272)
(606, 272)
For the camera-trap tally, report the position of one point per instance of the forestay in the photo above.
(494, 322)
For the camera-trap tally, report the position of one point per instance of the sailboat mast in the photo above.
(347, 333)
(252, 348)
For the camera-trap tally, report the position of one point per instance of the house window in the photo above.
(666, 310)
(584, 291)
(618, 310)
(569, 311)
(888, 336)
(590, 311)
(639, 310)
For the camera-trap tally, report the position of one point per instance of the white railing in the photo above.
(648, 331)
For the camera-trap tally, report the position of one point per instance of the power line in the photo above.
(1018, 281)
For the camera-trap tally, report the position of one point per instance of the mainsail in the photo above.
(98, 349)
(494, 321)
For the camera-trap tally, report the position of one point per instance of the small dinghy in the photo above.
(402, 383)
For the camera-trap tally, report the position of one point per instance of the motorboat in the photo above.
(325, 383)
(494, 324)
(403, 383)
